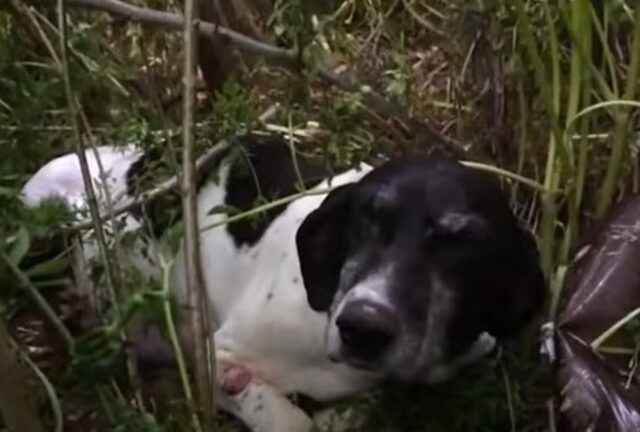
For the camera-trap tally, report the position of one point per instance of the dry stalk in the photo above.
(80, 150)
(200, 325)
(424, 132)
(76, 118)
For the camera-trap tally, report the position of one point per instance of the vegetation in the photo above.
(544, 94)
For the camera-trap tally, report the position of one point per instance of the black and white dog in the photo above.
(404, 272)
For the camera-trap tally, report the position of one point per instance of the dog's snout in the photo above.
(366, 329)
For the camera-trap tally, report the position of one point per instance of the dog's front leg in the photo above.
(257, 404)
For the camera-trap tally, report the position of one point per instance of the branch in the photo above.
(79, 145)
(200, 325)
(172, 182)
(275, 55)
(111, 265)
(176, 22)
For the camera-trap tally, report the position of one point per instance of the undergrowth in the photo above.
(546, 91)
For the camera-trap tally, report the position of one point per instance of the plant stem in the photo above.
(175, 344)
(618, 145)
(614, 328)
(507, 174)
(75, 116)
(273, 204)
(579, 91)
(200, 325)
(556, 150)
(82, 157)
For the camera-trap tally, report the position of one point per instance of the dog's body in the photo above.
(257, 297)
(399, 273)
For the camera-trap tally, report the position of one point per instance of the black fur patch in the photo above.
(264, 171)
(160, 214)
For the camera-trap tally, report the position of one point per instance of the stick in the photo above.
(200, 326)
(276, 55)
(80, 151)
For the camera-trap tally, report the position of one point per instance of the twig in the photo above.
(283, 57)
(286, 200)
(421, 20)
(16, 402)
(510, 175)
(80, 151)
(175, 342)
(271, 205)
(110, 266)
(176, 22)
(116, 265)
(614, 328)
(172, 182)
(200, 325)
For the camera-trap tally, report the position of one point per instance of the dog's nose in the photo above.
(366, 329)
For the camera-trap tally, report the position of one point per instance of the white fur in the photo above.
(256, 296)
(258, 299)
(62, 178)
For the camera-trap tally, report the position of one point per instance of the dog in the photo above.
(407, 272)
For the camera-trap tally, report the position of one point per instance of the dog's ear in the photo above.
(322, 246)
(520, 288)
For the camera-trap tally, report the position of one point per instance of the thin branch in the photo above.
(175, 341)
(176, 22)
(275, 55)
(76, 117)
(80, 151)
(422, 20)
(172, 182)
(200, 326)
(265, 207)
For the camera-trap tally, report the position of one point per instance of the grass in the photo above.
(544, 96)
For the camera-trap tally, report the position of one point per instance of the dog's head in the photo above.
(414, 263)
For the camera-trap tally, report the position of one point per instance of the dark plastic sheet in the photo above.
(594, 390)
